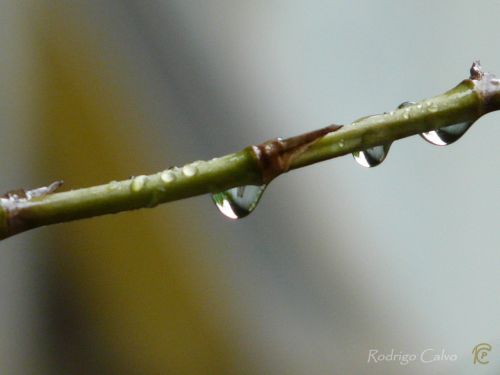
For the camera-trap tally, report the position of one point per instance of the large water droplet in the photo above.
(238, 202)
(371, 157)
(447, 135)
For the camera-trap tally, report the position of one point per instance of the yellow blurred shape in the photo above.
(143, 302)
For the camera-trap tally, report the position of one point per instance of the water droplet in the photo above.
(447, 135)
(113, 185)
(341, 143)
(406, 104)
(138, 183)
(238, 202)
(372, 157)
(167, 176)
(432, 107)
(189, 170)
(406, 113)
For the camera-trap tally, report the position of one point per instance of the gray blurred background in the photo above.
(336, 260)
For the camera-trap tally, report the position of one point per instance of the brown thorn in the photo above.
(276, 155)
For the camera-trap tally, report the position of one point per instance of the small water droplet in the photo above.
(341, 143)
(138, 183)
(189, 170)
(373, 156)
(238, 202)
(432, 107)
(405, 104)
(406, 113)
(447, 135)
(167, 176)
(113, 185)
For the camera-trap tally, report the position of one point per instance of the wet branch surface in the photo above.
(21, 210)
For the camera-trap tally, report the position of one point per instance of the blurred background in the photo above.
(337, 259)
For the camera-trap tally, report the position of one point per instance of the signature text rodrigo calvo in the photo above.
(428, 355)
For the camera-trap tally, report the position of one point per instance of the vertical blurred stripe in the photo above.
(131, 297)
(21, 344)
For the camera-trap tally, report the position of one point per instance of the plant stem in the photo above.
(255, 165)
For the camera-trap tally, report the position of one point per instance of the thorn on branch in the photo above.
(476, 70)
(22, 194)
(276, 155)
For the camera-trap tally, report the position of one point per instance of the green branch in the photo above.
(255, 165)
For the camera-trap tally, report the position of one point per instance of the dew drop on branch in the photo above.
(113, 185)
(238, 202)
(442, 136)
(371, 157)
(446, 135)
(189, 170)
(138, 183)
(406, 104)
(168, 176)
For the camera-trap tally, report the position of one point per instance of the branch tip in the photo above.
(476, 70)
